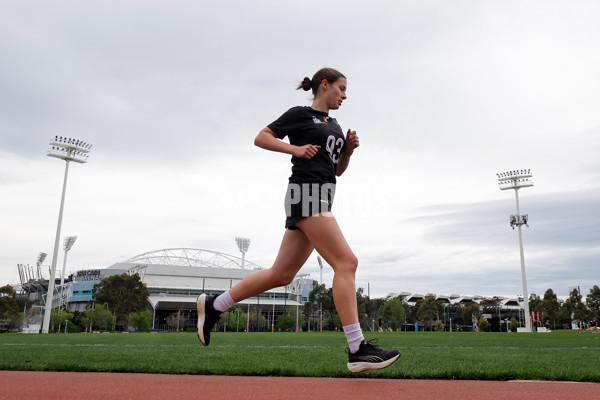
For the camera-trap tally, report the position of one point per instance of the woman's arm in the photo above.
(267, 140)
(351, 144)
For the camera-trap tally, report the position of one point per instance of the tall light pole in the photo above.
(320, 302)
(67, 244)
(40, 260)
(67, 149)
(243, 244)
(516, 180)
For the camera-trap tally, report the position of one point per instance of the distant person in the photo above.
(320, 152)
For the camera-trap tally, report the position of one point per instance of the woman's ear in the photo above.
(325, 84)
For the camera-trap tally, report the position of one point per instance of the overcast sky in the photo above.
(443, 95)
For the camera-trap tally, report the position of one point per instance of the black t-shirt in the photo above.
(303, 125)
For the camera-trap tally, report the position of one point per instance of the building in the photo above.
(176, 277)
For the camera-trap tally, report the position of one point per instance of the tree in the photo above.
(428, 311)
(319, 299)
(98, 318)
(235, 320)
(471, 313)
(11, 316)
(490, 306)
(593, 302)
(77, 324)
(535, 303)
(329, 310)
(392, 312)
(286, 323)
(454, 312)
(373, 311)
(564, 314)
(123, 294)
(258, 322)
(579, 312)
(550, 307)
(513, 324)
(535, 307)
(141, 320)
(59, 319)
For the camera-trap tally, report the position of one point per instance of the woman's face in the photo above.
(335, 93)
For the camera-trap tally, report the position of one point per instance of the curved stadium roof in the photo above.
(192, 258)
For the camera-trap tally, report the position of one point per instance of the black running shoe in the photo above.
(207, 317)
(371, 356)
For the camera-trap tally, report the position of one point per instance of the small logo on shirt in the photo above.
(318, 121)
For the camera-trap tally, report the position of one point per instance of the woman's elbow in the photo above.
(260, 139)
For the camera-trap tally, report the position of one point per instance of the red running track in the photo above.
(79, 385)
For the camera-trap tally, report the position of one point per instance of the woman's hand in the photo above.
(307, 151)
(351, 142)
(267, 139)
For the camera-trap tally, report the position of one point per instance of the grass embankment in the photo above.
(562, 356)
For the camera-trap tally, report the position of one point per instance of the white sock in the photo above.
(223, 302)
(354, 336)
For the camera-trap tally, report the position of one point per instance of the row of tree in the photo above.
(429, 312)
(99, 318)
(120, 302)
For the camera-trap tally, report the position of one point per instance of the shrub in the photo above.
(439, 326)
(483, 324)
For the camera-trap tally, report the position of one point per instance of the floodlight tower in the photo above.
(243, 244)
(40, 260)
(67, 149)
(516, 180)
(67, 244)
(320, 303)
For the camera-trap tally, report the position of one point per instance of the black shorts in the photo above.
(303, 200)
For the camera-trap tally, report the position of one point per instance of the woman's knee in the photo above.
(348, 265)
(279, 278)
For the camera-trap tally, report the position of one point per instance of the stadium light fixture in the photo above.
(243, 244)
(68, 243)
(516, 180)
(67, 149)
(40, 260)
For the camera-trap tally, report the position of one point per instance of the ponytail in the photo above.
(305, 85)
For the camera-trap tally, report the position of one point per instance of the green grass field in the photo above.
(556, 356)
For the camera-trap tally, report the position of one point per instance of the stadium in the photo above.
(175, 278)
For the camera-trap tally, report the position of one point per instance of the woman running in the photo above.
(320, 152)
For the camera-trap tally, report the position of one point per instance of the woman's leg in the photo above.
(294, 251)
(326, 236)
